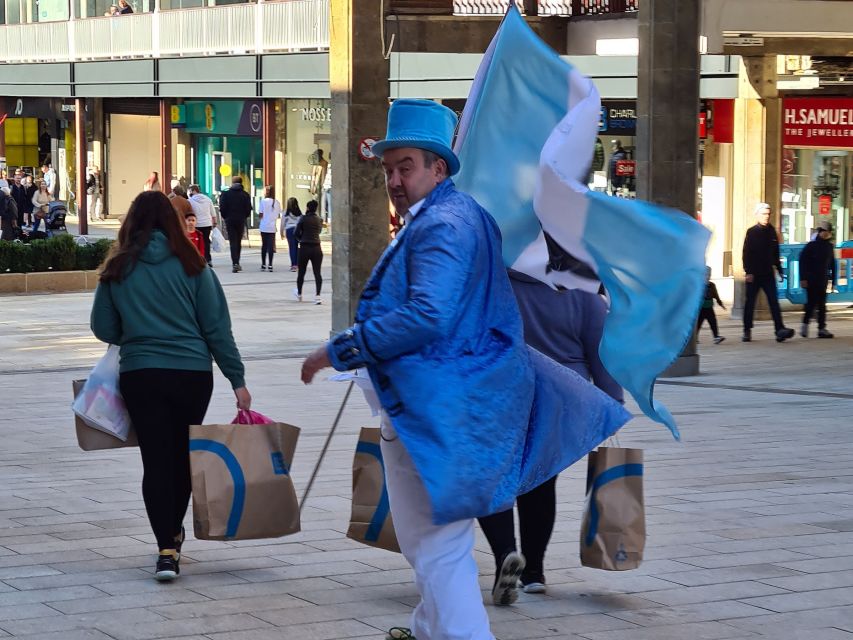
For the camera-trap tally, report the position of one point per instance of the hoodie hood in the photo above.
(157, 250)
(236, 186)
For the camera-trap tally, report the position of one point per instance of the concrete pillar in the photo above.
(165, 144)
(667, 122)
(3, 113)
(99, 137)
(274, 144)
(358, 76)
(80, 164)
(757, 161)
(280, 150)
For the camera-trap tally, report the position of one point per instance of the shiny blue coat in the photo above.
(439, 331)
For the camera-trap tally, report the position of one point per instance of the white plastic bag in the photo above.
(217, 240)
(362, 380)
(99, 404)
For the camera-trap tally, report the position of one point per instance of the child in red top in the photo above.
(195, 236)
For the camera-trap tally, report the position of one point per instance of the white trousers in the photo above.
(451, 606)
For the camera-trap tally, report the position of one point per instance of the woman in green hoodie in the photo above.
(160, 302)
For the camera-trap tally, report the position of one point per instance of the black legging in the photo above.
(537, 510)
(162, 404)
(267, 247)
(711, 317)
(312, 253)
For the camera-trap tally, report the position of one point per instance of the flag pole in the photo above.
(325, 448)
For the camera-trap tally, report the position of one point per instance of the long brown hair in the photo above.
(149, 211)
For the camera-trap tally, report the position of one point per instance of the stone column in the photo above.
(668, 111)
(757, 162)
(358, 76)
(99, 136)
(165, 144)
(80, 164)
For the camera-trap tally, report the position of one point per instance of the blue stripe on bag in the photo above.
(233, 466)
(614, 473)
(382, 509)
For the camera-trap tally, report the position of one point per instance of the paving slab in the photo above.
(750, 517)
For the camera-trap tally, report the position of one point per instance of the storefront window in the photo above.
(308, 161)
(815, 188)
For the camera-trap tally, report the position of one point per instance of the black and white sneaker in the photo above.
(168, 567)
(505, 591)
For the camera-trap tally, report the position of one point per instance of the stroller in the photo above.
(55, 220)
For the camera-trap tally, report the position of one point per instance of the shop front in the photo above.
(817, 167)
(308, 163)
(30, 126)
(225, 140)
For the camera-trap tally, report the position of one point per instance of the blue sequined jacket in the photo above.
(439, 331)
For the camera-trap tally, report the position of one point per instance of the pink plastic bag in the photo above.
(251, 417)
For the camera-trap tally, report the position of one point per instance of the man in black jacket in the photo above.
(817, 269)
(19, 195)
(8, 215)
(235, 206)
(760, 258)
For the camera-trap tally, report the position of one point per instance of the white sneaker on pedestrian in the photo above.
(297, 295)
(505, 590)
(318, 300)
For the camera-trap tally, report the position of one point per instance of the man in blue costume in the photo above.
(466, 423)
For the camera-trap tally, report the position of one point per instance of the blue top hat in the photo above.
(421, 124)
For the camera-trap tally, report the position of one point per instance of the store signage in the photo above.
(817, 122)
(618, 118)
(209, 117)
(824, 205)
(316, 114)
(178, 116)
(251, 118)
(626, 168)
(743, 41)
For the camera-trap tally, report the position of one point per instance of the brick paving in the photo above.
(750, 518)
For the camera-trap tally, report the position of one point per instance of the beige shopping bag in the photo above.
(613, 531)
(91, 439)
(241, 481)
(370, 520)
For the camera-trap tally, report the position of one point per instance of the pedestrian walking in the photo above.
(565, 325)
(235, 206)
(152, 183)
(160, 303)
(760, 259)
(180, 203)
(817, 270)
(707, 310)
(94, 193)
(437, 327)
(291, 217)
(205, 213)
(192, 232)
(307, 233)
(269, 212)
(41, 204)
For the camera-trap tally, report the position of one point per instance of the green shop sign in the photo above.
(224, 117)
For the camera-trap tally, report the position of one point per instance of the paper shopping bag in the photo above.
(241, 481)
(91, 439)
(370, 520)
(613, 531)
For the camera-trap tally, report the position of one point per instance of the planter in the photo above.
(48, 282)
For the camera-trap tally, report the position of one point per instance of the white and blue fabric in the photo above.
(531, 178)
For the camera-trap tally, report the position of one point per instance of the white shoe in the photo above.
(318, 300)
(534, 587)
(297, 295)
(505, 589)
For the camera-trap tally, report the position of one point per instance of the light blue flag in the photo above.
(526, 143)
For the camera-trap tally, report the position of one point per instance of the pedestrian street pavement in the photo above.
(750, 516)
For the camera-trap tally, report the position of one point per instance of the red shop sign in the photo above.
(824, 205)
(626, 167)
(817, 122)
